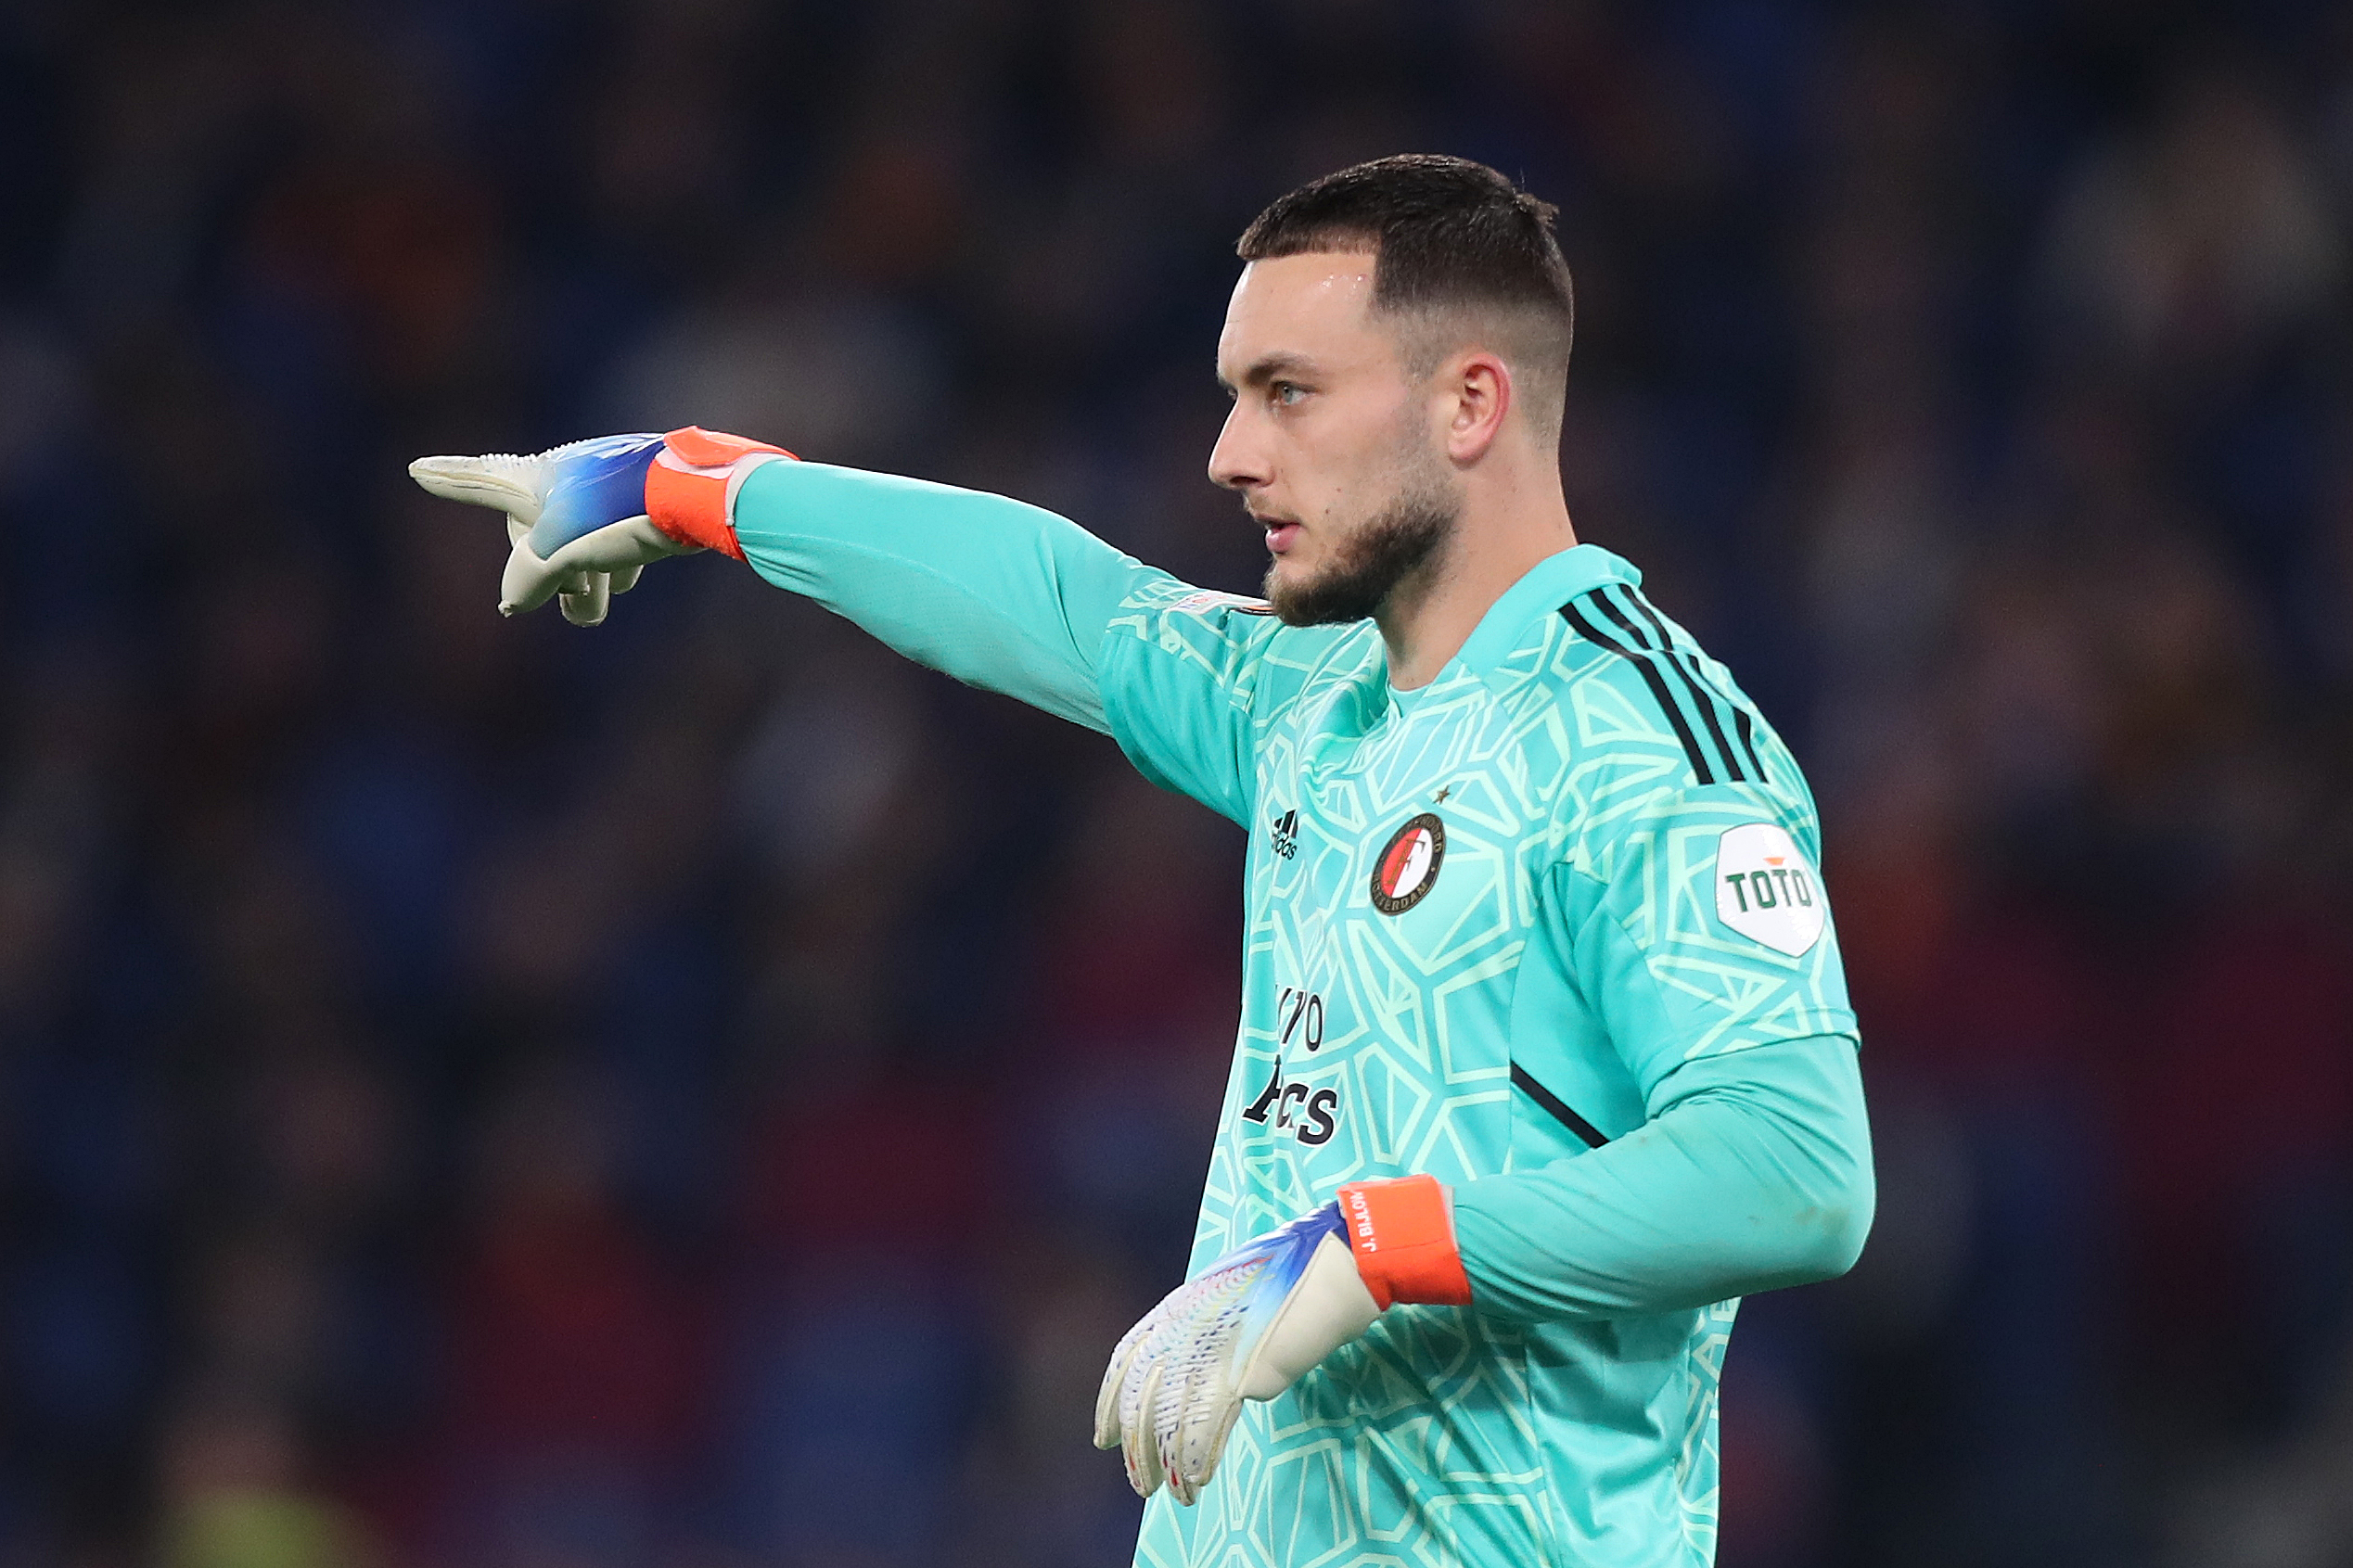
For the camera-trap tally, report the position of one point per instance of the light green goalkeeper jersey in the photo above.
(1548, 928)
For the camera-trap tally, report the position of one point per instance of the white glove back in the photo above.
(1253, 1324)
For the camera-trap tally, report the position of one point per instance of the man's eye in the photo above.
(1286, 392)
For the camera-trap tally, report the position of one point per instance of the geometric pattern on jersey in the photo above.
(1585, 758)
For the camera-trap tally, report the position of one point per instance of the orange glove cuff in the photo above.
(691, 486)
(1403, 1237)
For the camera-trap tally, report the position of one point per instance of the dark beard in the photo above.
(1395, 544)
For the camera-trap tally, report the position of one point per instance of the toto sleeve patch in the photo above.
(1765, 889)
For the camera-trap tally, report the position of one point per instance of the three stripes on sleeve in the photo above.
(1717, 733)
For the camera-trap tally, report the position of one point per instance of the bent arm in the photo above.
(999, 593)
(1754, 1172)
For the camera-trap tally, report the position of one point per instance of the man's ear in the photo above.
(1479, 394)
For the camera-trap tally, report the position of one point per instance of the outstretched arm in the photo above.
(997, 593)
(994, 591)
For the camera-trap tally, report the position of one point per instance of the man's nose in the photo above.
(1237, 461)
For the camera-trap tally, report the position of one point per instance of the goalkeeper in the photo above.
(1545, 1057)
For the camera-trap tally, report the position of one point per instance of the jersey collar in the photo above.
(1549, 584)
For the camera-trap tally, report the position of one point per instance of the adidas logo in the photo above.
(1286, 834)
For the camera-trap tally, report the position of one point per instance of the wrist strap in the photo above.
(690, 489)
(1402, 1233)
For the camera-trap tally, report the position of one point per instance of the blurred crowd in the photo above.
(701, 1094)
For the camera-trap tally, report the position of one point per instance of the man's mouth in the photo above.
(1280, 532)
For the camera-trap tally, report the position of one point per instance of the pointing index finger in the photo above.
(499, 479)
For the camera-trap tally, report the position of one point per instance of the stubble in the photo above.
(1404, 541)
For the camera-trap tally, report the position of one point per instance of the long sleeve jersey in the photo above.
(1548, 928)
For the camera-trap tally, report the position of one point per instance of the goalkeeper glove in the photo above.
(1261, 1316)
(586, 519)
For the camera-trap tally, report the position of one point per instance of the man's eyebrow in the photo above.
(1269, 368)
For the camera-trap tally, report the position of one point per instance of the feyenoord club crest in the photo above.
(1408, 867)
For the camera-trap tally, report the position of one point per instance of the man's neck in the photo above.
(1431, 615)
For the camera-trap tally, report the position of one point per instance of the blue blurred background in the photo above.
(699, 1092)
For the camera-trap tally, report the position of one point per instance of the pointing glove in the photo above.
(1259, 1319)
(585, 518)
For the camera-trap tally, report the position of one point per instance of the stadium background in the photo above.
(701, 1092)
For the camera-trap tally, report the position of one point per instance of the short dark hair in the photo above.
(1452, 240)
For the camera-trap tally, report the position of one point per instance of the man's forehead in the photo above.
(1309, 279)
(1310, 302)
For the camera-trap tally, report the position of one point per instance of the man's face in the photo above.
(1331, 444)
